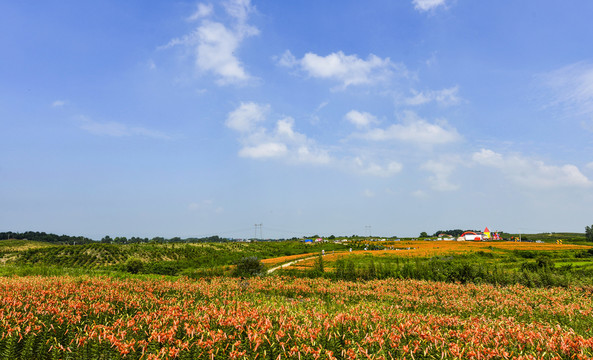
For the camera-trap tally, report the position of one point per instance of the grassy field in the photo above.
(24, 257)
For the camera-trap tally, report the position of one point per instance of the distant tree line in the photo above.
(80, 240)
(44, 237)
(160, 240)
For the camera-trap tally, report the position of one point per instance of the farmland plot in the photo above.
(280, 317)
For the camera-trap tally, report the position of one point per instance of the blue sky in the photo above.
(184, 118)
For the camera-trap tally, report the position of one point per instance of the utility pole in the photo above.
(260, 231)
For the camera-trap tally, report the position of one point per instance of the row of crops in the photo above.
(166, 259)
(280, 317)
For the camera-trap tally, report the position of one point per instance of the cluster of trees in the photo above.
(80, 240)
(589, 233)
(159, 240)
(44, 237)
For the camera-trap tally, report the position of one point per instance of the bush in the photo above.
(134, 266)
(249, 266)
(163, 268)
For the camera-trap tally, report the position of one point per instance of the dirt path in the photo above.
(289, 263)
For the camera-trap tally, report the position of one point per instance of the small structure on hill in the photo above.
(470, 236)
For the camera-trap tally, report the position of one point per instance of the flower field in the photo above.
(440, 248)
(286, 318)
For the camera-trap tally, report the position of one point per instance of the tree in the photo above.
(120, 240)
(589, 233)
(249, 266)
(319, 265)
(134, 266)
(107, 239)
(423, 234)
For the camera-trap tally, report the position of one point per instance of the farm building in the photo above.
(470, 236)
(479, 236)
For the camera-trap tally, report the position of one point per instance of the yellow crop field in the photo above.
(438, 248)
(284, 259)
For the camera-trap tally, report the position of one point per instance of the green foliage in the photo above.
(529, 269)
(134, 265)
(163, 259)
(319, 266)
(44, 237)
(249, 266)
(589, 233)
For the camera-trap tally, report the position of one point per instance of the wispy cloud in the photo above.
(360, 119)
(368, 193)
(445, 97)
(416, 130)
(570, 89)
(427, 5)
(58, 103)
(117, 129)
(366, 167)
(202, 11)
(205, 206)
(215, 44)
(441, 170)
(532, 173)
(348, 70)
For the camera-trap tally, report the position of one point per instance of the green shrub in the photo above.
(162, 268)
(249, 266)
(134, 265)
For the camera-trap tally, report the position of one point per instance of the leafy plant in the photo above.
(134, 265)
(249, 266)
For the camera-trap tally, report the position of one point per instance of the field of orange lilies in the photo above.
(287, 318)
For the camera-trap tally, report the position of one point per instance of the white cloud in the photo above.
(265, 150)
(420, 194)
(373, 169)
(206, 206)
(215, 44)
(246, 117)
(58, 103)
(589, 166)
(345, 69)
(239, 9)
(442, 171)
(368, 193)
(216, 52)
(360, 119)
(260, 140)
(116, 129)
(415, 130)
(287, 59)
(202, 11)
(312, 156)
(443, 97)
(532, 173)
(571, 89)
(426, 5)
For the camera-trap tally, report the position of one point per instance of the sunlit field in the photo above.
(278, 317)
(413, 249)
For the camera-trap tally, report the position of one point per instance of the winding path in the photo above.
(289, 263)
